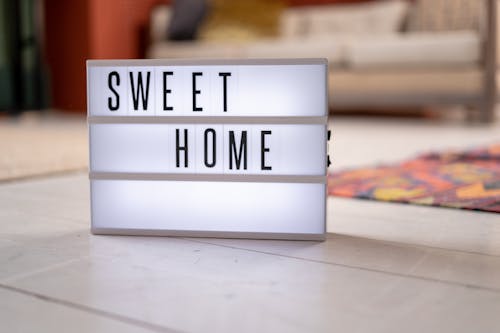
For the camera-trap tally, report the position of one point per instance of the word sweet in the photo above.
(140, 82)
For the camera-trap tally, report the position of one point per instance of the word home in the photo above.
(208, 148)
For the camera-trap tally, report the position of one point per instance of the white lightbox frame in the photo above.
(156, 201)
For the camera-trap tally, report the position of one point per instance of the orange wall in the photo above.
(66, 48)
(118, 26)
(89, 29)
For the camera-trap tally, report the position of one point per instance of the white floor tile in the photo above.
(446, 228)
(468, 269)
(20, 312)
(201, 287)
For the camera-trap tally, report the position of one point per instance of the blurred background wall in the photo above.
(44, 45)
(94, 29)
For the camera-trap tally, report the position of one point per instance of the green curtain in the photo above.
(22, 78)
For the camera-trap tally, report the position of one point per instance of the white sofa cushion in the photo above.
(189, 49)
(329, 48)
(159, 20)
(415, 50)
(293, 23)
(447, 15)
(378, 17)
(404, 86)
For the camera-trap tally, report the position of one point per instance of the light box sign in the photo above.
(218, 148)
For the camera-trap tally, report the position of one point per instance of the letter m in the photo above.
(239, 155)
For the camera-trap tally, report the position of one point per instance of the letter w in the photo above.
(139, 90)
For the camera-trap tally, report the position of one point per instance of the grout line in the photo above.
(414, 245)
(373, 270)
(88, 309)
(51, 174)
(14, 277)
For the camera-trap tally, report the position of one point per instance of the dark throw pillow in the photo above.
(187, 15)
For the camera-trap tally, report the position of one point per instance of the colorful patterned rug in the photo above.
(466, 180)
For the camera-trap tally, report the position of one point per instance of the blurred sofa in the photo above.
(391, 53)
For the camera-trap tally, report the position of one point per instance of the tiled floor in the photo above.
(384, 267)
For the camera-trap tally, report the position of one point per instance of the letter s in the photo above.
(116, 106)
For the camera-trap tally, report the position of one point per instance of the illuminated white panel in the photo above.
(141, 91)
(151, 148)
(102, 101)
(225, 102)
(251, 90)
(210, 160)
(282, 208)
(198, 90)
(175, 81)
(282, 90)
(236, 151)
(220, 148)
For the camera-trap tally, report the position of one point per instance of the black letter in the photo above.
(224, 80)
(140, 90)
(195, 92)
(263, 150)
(178, 148)
(110, 85)
(212, 131)
(243, 148)
(166, 91)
